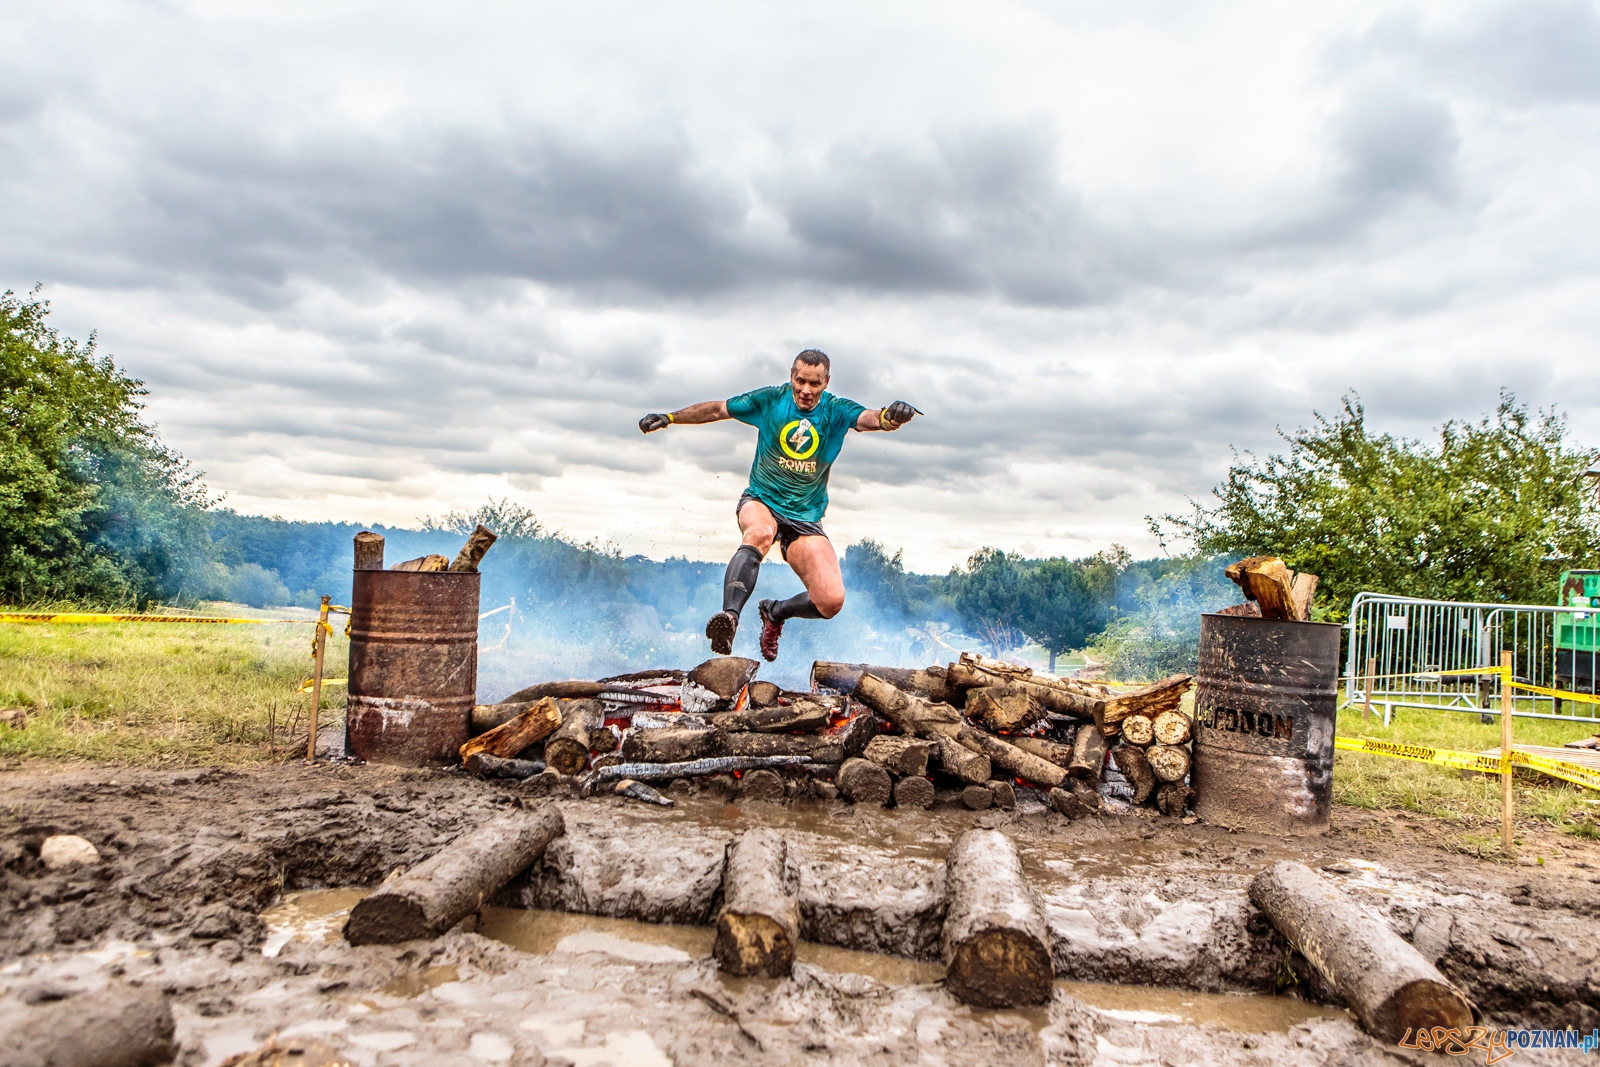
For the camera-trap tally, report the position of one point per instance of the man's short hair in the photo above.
(815, 357)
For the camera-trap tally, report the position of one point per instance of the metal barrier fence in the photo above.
(1444, 656)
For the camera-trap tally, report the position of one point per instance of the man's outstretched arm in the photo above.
(892, 417)
(694, 414)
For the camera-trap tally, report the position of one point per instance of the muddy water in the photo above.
(316, 915)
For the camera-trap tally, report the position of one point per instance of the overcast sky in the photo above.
(377, 261)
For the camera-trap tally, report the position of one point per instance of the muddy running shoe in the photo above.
(770, 632)
(721, 628)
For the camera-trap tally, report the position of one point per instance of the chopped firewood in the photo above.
(761, 784)
(455, 881)
(572, 689)
(911, 715)
(959, 760)
(568, 748)
(978, 797)
(864, 782)
(1065, 696)
(1088, 755)
(486, 766)
(1075, 804)
(368, 551)
(725, 676)
(900, 755)
(995, 944)
(1005, 797)
(1007, 708)
(1054, 751)
(763, 694)
(1169, 762)
(471, 554)
(1173, 797)
(603, 740)
(1279, 593)
(1390, 985)
(820, 749)
(1171, 727)
(535, 722)
(671, 745)
(1131, 761)
(913, 793)
(1149, 701)
(1007, 757)
(928, 683)
(800, 717)
(1249, 608)
(758, 928)
(1138, 730)
(1301, 593)
(855, 733)
(656, 772)
(639, 791)
(428, 563)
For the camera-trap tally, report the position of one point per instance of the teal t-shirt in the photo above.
(795, 448)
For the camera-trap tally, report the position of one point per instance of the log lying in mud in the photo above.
(1169, 762)
(1170, 728)
(758, 928)
(656, 772)
(900, 755)
(1088, 756)
(929, 683)
(978, 797)
(1388, 983)
(456, 881)
(995, 945)
(368, 551)
(1075, 804)
(670, 745)
(639, 791)
(472, 553)
(118, 1026)
(487, 766)
(914, 793)
(1173, 797)
(819, 749)
(864, 782)
(1131, 761)
(1149, 701)
(568, 748)
(532, 724)
(1008, 708)
(799, 717)
(761, 784)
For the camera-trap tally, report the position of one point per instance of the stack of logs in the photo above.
(975, 730)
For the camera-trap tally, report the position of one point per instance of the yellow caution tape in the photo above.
(1511, 682)
(305, 686)
(1471, 761)
(70, 617)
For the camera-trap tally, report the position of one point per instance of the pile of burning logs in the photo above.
(976, 729)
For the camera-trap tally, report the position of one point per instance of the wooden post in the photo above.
(1372, 671)
(1505, 750)
(318, 647)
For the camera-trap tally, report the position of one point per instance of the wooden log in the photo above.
(117, 1026)
(855, 733)
(900, 755)
(1076, 804)
(725, 676)
(1131, 761)
(670, 745)
(1060, 695)
(1169, 762)
(428, 563)
(1171, 727)
(864, 782)
(763, 694)
(571, 689)
(1150, 700)
(639, 791)
(928, 683)
(1088, 756)
(761, 784)
(758, 928)
(691, 768)
(978, 797)
(914, 793)
(368, 551)
(655, 676)
(1054, 751)
(820, 749)
(1173, 797)
(456, 881)
(535, 722)
(1302, 591)
(801, 717)
(1139, 730)
(1005, 796)
(1267, 581)
(471, 554)
(959, 760)
(1386, 981)
(486, 766)
(1008, 757)
(1007, 708)
(568, 748)
(995, 945)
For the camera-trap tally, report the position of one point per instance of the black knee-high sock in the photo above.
(798, 606)
(740, 580)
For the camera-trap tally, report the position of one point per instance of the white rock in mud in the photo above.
(67, 850)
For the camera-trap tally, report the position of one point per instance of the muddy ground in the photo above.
(190, 860)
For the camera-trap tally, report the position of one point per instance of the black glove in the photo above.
(651, 423)
(897, 415)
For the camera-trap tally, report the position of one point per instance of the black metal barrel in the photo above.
(413, 665)
(1264, 723)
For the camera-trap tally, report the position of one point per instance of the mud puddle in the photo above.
(310, 915)
(1249, 1013)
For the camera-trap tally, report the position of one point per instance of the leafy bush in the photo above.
(257, 587)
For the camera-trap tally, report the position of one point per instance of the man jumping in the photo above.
(802, 428)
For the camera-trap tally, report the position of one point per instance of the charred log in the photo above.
(819, 749)
(671, 745)
(1131, 761)
(568, 748)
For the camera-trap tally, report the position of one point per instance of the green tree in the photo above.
(990, 598)
(1493, 512)
(871, 572)
(1063, 603)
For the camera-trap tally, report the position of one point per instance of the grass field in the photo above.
(162, 693)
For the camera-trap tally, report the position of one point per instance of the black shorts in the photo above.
(789, 530)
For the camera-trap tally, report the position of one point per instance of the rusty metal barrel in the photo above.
(1264, 723)
(413, 665)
